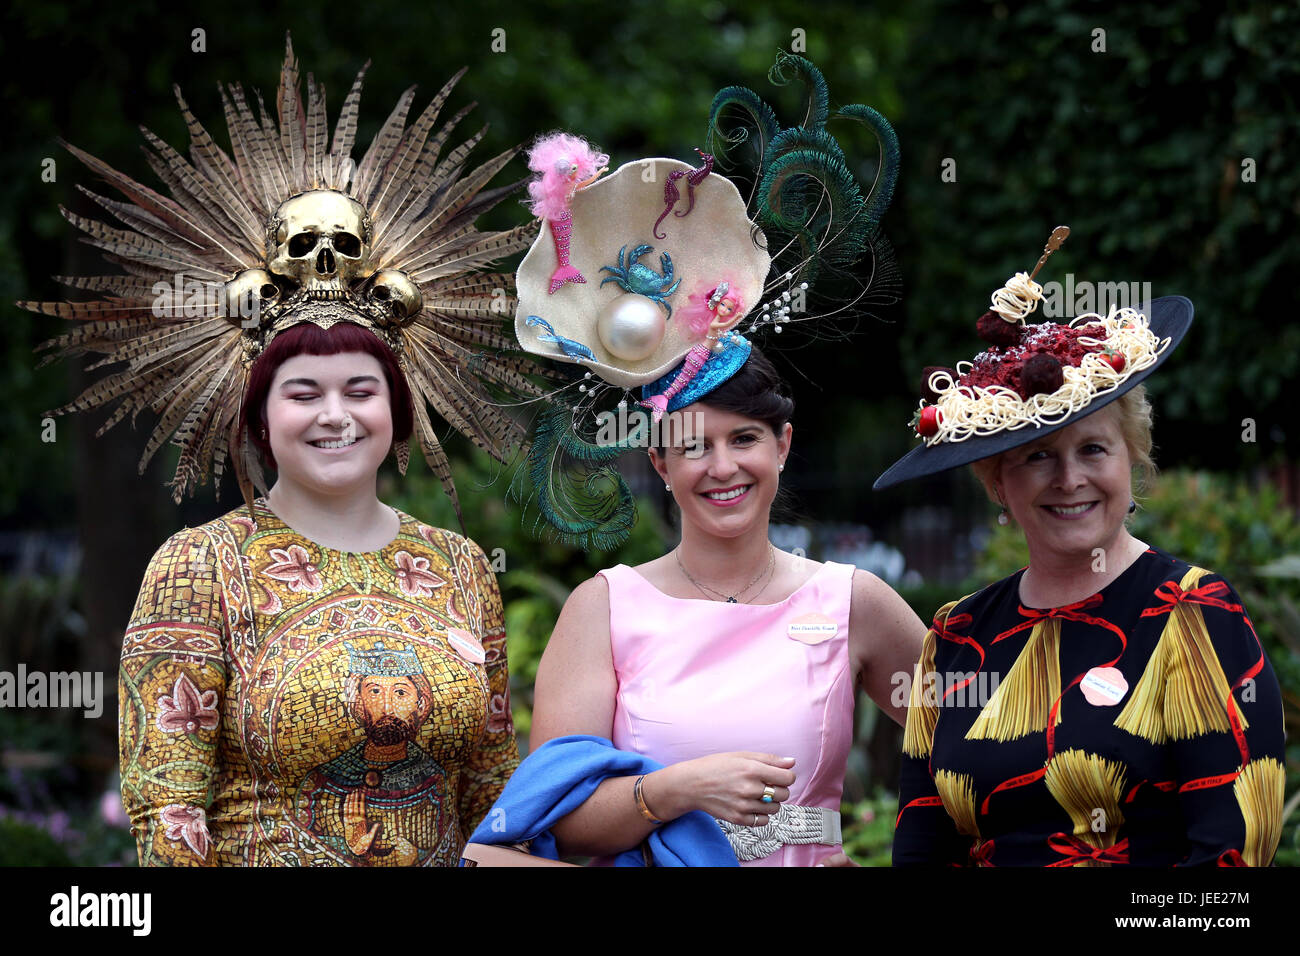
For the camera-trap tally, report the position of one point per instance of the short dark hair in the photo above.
(307, 338)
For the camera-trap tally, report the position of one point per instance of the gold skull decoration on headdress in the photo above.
(287, 228)
(321, 241)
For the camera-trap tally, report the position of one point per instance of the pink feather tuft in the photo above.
(551, 157)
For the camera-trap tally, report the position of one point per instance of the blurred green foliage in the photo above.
(25, 844)
(868, 829)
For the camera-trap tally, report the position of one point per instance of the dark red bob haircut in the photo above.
(307, 338)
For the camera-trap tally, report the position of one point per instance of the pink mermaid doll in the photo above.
(708, 316)
(564, 165)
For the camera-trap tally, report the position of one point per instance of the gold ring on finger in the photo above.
(769, 794)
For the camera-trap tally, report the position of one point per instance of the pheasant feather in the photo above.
(166, 327)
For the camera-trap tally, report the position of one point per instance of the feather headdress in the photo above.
(286, 228)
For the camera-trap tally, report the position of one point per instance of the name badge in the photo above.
(812, 628)
(1104, 686)
(466, 645)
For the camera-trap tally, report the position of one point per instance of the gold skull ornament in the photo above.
(321, 240)
(247, 294)
(397, 292)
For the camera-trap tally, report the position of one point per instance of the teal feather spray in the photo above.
(581, 498)
(806, 198)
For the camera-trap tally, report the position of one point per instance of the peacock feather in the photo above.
(578, 491)
(807, 200)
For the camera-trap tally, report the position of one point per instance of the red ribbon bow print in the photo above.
(1071, 612)
(1172, 594)
(981, 853)
(1075, 850)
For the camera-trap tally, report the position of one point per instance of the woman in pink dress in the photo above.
(733, 664)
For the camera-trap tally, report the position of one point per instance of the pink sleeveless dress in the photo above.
(698, 677)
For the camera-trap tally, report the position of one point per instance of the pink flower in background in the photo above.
(414, 576)
(294, 565)
(111, 810)
(187, 823)
(186, 710)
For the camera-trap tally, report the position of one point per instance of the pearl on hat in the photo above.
(631, 327)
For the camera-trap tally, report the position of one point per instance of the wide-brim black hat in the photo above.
(1170, 318)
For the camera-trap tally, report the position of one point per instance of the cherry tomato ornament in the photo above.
(927, 421)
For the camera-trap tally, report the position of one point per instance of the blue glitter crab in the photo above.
(634, 277)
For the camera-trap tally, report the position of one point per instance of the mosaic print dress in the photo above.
(1142, 725)
(286, 704)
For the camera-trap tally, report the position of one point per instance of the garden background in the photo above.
(1167, 142)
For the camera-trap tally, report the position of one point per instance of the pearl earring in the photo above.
(1003, 518)
(668, 487)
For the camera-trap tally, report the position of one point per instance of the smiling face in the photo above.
(1070, 491)
(329, 421)
(723, 467)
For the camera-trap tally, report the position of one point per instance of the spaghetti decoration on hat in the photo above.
(287, 228)
(1033, 379)
(658, 272)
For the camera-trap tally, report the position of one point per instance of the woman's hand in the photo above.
(726, 786)
(838, 859)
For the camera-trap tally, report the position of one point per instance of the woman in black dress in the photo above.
(1108, 704)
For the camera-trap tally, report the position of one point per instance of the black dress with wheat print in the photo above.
(1142, 725)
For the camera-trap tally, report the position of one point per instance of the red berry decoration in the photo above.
(927, 421)
(996, 330)
(1042, 374)
(1114, 359)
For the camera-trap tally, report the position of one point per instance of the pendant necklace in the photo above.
(729, 598)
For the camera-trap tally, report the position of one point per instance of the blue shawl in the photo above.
(559, 776)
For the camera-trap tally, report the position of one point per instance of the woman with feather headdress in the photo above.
(314, 678)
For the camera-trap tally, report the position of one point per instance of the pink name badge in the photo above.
(466, 645)
(812, 628)
(1104, 686)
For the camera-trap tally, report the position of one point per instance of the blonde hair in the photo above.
(1134, 411)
